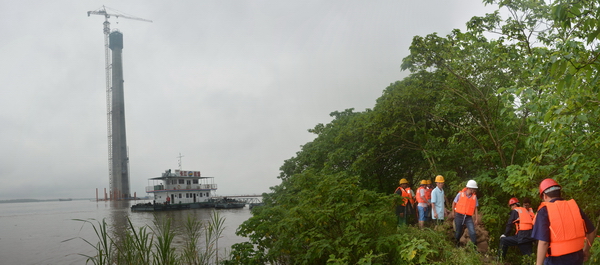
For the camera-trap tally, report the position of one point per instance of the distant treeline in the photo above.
(24, 200)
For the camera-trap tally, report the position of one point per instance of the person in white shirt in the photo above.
(438, 199)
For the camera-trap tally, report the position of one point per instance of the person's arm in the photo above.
(433, 198)
(511, 220)
(588, 244)
(542, 250)
(453, 207)
(476, 217)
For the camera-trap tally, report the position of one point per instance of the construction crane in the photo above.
(108, 65)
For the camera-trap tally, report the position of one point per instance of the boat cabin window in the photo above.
(188, 182)
(180, 195)
(201, 194)
(195, 181)
(173, 181)
(181, 181)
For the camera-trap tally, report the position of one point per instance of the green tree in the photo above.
(310, 217)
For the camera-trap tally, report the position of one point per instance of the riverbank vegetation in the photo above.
(198, 242)
(511, 101)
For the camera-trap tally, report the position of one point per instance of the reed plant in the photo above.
(147, 245)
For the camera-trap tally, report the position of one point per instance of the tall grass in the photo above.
(147, 245)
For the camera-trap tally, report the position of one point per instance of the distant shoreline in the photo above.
(32, 200)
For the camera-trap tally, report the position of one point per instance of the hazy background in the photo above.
(231, 85)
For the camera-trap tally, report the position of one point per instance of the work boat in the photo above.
(179, 189)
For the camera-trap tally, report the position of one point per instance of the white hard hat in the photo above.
(472, 184)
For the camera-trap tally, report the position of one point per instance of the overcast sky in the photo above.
(231, 85)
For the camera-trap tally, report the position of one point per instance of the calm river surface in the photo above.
(35, 232)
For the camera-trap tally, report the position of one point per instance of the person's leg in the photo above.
(422, 211)
(471, 227)
(401, 213)
(458, 225)
(526, 248)
(428, 214)
(439, 221)
(506, 242)
(525, 242)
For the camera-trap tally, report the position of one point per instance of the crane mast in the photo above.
(115, 193)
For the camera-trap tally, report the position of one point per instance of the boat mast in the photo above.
(180, 156)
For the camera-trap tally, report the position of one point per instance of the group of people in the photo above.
(429, 200)
(563, 231)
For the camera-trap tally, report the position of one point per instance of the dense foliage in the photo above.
(512, 100)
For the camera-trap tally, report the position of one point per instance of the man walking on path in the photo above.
(523, 222)
(438, 209)
(465, 209)
(564, 232)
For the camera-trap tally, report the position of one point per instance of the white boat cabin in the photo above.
(181, 186)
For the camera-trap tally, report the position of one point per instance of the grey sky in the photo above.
(231, 85)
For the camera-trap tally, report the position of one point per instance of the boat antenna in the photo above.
(180, 156)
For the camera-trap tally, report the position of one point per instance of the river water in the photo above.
(46, 232)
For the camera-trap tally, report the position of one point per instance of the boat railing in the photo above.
(182, 187)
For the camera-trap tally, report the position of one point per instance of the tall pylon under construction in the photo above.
(118, 158)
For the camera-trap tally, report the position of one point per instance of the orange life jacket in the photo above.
(406, 195)
(525, 222)
(567, 228)
(411, 197)
(428, 194)
(465, 204)
(419, 198)
(530, 211)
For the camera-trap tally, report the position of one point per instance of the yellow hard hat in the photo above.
(428, 181)
(423, 182)
(402, 181)
(439, 178)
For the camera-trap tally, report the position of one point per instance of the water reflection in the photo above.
(118, 220)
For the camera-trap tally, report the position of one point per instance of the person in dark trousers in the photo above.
(523, 223)
(405, 210)
(564, 232)
(465, 212)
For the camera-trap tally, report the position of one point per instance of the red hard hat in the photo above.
(512, 201)
(547, 183)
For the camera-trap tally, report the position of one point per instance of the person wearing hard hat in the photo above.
(422, 203)
(564, 232)
(404, 210)
(437, 200)
(428, 190)
(523, 222)
(464, 208)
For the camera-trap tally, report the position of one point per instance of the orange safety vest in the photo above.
(411, 198)
(406, 196)
(567, 228)
(428, 194)
(466, 205)
(419, 198)
(530, 211)
(525, 222)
